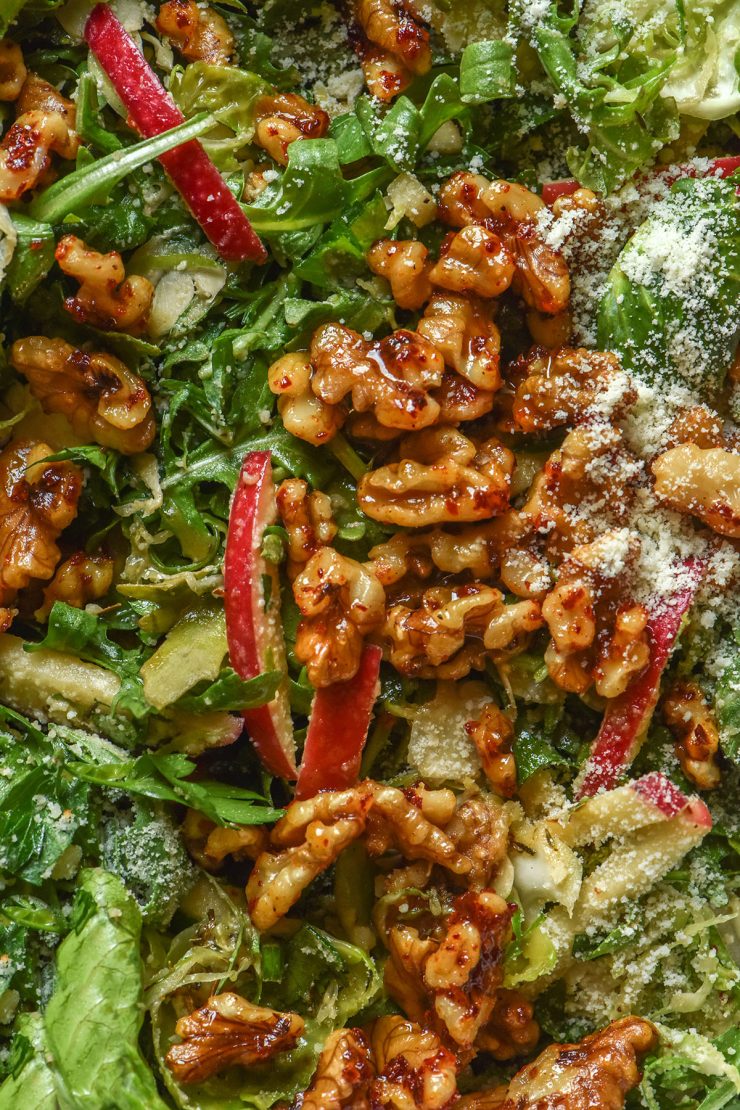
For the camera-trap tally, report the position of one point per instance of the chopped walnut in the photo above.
(38, 500)
(282, 118)
(462, 329)
(100, 397)
(703, 482)
(80, 579)
(511, 1029)
(415, 1071)
(340, 601)
(403, 975)
(229, 1031)
(473, 260)
(542, 276)
(395, 26)
(409, 820)
(303, 413)
(391, 376)
(692, 722)
(198, 32)
(106, 298)
(343, 1074)
(13, 71)
(404, 265)
(510, 201)
(26, 149)
(209, 844)
(479, 830)
(625, 654)
(441, 476)
(460, 401)
(597, 1071)
(461, 199)
(492, 735)
(550, 331)
(565, 386)
(385, 75)
(307, 519)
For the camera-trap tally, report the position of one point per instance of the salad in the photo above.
(369, 563)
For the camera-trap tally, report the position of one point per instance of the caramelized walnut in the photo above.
(479, 830)
(100, 397)
(441, 476)
(282, 118)
(106, 298)
(343, 1074)
(229, 1031)
(38, 500)
(395, 26)
(566, 386)
(511, 1029)
(409, 821)
(340, 601)
(209, 844)
(598, 1071)
(692, 722)
(198, 32)
(80, 579)
(303, 413)
(26, 149)
(385, 75)
(391, 376)
(307, 519)
(415, 1071)
(462, 329)
(404, 265)
(13, 71)
(473, 260)
(703, 482)
(461, 199)
(492, 735)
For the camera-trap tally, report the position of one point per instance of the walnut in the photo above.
(598, 1071)
(492, 735)
(479, 830)
(542, 276)
(198, 32)
(625, 654)
(13, 71)
(385, 75)
(703, 482)
(312, 834)
(303, 413)
(409, 820)
(511, 1029)
(692, 722)
(229, 1031)
(343, 1074)
(581, 200)
(404, 265)
(462, 329)
(510, 202)
(101, 398)
(37, 95)
(340, 602)
(550, 331)
(209, 844)
(282, 118)
(415, 1070)
(79, 579)
(461, 199)
(38, 500)
(473, 260)
(106, 298)
(26, 149)
(460, 401)
(391, 376)
(565, 386)
(403, 975)
(441, 476)
(307, 519)
(395, 26)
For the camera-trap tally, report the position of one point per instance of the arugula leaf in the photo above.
(728, 708)
(33, 256)
(487, 72)
(533, 753)
(30, 1080)
(231, 693)
(665, 315)
(311, 190)
(94, 1015)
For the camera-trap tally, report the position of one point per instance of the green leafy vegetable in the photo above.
(728, 708)
(487, 72)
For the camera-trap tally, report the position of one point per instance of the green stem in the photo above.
(344, 453)
(81, 186)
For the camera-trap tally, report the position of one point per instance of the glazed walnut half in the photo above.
(45, 125)
(282, 118)
(106, 298)
(101, 398)
(80, 579)
(38, 500)
(228, 1030)
(198, 32)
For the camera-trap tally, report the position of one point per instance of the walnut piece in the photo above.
(341, 602)
(229, 1031)
(38, 500)
(45, 125)
(79, 579)
(403, 263)
(565, 386)
(307, 519)
(283, 118)
(13, 71)
(441, 476)
(462, 329)
(303, 413)
(473, 260)
(106, 298)
(198, 32)
(343, 1075)
(101, 398)
(692, 722)
(395, 26)
(209, 844)
(597, 1071)
(415, 1070)
(492, 735)
(703, 482)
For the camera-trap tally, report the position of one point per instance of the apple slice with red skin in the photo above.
(657, 790)
(338, 728)
(718, 167)
(253, 626)
(628, 716)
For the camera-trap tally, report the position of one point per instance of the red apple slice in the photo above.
(338, 728)
(252, 600)
(628, 716)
